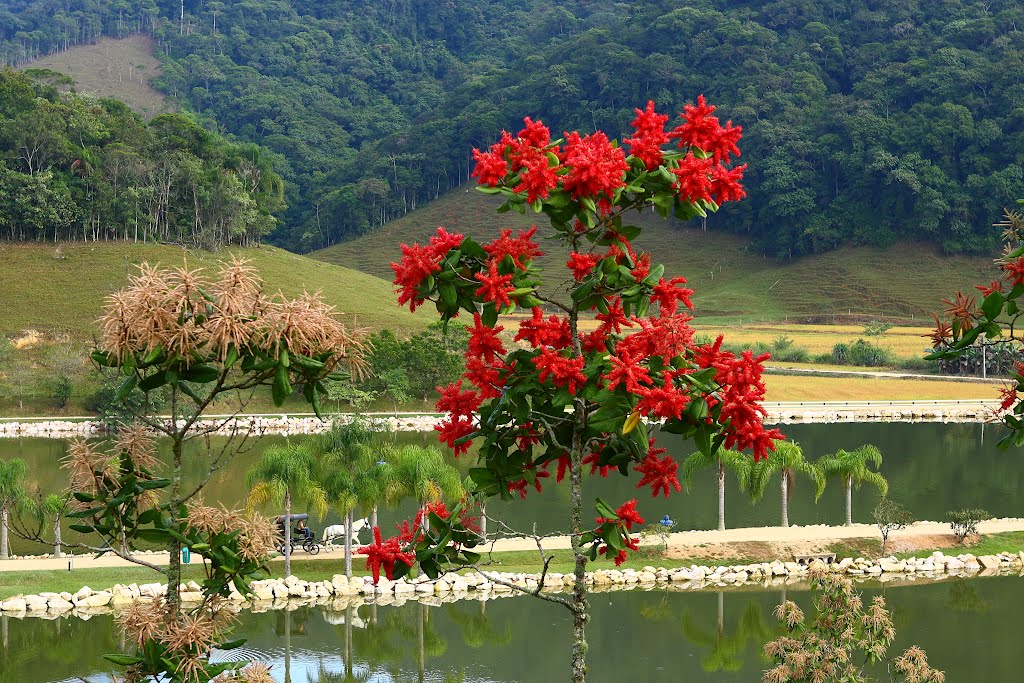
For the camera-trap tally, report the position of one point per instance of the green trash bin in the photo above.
(186, 555)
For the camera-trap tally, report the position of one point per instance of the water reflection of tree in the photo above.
(726, 650)
(476, 626)
(964, 597)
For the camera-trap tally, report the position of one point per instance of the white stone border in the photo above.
(283, 593)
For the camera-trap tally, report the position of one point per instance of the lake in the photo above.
(931, 468)
(970, 629)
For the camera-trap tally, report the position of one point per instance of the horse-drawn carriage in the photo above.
(301, 534)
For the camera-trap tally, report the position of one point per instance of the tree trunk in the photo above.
(348, 641)
(287, 533)
(3, 533)
(849, 501)
(348, 544)
(579, 591)
(373, 517)
(174, 561)
(421, 659)
(287, 641)
(721, 496)
(483, 521)
(785, 498)
(56, 539)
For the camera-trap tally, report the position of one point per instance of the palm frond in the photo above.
(695, 461)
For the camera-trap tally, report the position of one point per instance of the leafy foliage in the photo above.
(876, 121)
(890, 516)
(965, 522)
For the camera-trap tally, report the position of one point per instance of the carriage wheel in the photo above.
(312, 548)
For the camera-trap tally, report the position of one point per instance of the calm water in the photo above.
(931, 468)
(969, 629)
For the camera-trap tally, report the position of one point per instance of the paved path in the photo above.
(681, 538)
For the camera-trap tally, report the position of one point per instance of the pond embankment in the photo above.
(777, 413)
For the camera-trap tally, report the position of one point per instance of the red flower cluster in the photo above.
(1014, 270)
(484, 342)
(660, 475)
(664, 402)
(564, 372)
(553, 332)
(626, 371)
(524, 155)
(383, 555)
(520, 248)
(741, 393)
(702, 130)
(669, 294)
(418, 263)
(996, 286)
(494, 287)
(595, 166)
(649, 137)
(581, 264)
(626, 515)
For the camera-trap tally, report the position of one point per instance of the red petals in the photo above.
(484, 342)
(693, 178)
(564, 372)
(702, 130)
(457, 402)
(669, 294)
(553, 332)
(453, 428)
(383, 555)
(581, 264)
(660, 475)
(627, 372)
(418, 263)
(649, 137)
(494, 287)
(725, 183)
(1014, 270)
(520, 248)
(595, 167)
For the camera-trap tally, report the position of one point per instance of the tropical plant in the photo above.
(350, 471)
(423, 474)
(724, 459)
(843, 637)
(787, 460)
(14, 497)
(567, 399)
(53, 508)
(890, 516)
(852, 467)
(282, 474)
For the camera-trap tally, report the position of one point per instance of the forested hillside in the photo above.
(77, 168)
(867, 121)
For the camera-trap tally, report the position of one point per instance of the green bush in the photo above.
(965, 522)
(862, 353)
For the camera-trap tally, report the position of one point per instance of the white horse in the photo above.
(338, 531)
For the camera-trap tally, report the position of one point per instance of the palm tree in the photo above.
(13, 496)
(788, 460)
(349, 472)
(852, 468)
(53, 507)
(281, 474)
(423, 474)
(725, 459)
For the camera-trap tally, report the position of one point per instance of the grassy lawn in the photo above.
(734, 283)
(812, 388)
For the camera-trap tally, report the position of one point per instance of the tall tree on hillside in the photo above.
(14, 497)
(787, 460)
(723, 460)
(284, 474)
(852, 468)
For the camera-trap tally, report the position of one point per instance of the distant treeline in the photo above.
(867, 121)
(77, 168)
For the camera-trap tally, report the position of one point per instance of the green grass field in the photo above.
(120, 68)
(733, 283)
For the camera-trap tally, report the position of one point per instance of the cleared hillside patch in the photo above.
(113, 67)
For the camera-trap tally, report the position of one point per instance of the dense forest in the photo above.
(867, 121)
(77, 168)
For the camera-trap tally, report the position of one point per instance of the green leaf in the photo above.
(449, 295)
(281, 389)
(104, 359)
(154, 381)
(123, 660)
(992, 306)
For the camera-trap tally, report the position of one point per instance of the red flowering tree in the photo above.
(966, 324)
(562, 398)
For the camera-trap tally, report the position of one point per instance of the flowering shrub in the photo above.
(559, 395)
(967, 324)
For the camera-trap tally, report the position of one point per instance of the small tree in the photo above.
(724, 459)
(282, 474)
(843, 637)
(852, 469)
(787, 460)
(571, 397)
(965, 522)
(890, 516)
(14, 497)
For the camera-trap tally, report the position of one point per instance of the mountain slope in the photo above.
(732, 280)
(61, 291)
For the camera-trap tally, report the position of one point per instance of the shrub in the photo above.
(965, 522)
(862, 353)
(890, 516)
(62, 391)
